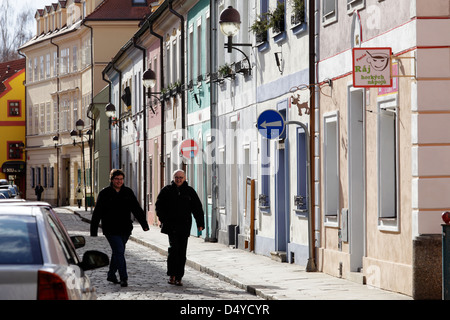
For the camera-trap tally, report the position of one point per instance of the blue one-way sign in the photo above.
(270, 124)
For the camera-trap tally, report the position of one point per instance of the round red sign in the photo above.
(189, 148)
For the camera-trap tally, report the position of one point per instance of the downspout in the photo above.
(93, 126)
(311, 266)
(163, 139)
(120, 113)
(144, 110)
(26, 114)
(109, 130)
(182, 67)
(213, 112)
(57, 104)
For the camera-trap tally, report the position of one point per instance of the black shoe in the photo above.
(123, 283)
(113, 280)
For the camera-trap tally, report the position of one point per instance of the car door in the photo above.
(76, 280)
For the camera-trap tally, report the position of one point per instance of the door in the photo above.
(281, 191)
(356, 180)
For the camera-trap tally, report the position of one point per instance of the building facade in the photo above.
(64, 64)
(12, 128)
(383, 182)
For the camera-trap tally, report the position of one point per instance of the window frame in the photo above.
(388, 140)
(331, 158)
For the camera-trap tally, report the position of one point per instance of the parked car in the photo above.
(14, 193)
(38, 259)
(6, 193)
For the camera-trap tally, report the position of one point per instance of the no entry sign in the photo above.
(189, 148)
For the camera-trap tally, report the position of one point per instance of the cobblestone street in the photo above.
(147, 273)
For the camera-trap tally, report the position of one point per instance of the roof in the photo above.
(120, 10)
(8, 69)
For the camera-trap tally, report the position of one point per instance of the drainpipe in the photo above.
(311, 266)
(25, 101)
(90, 111)
(182, 67)
(213, 112)
(109, 130)
(57, 104)
(161, 67)
(120, 113)
(144, 56)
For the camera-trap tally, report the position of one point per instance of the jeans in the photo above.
(176, 259)
(118, 262)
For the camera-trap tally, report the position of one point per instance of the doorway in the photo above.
(356, 177)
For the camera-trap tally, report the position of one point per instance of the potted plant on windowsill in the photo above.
(225, 71)
(298, 12)
(259, 28)
(277, 18)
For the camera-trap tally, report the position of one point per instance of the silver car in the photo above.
(38, 258)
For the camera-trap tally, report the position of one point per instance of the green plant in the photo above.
(260, 25)
(277, 16)
(298, 10)
(225, 70)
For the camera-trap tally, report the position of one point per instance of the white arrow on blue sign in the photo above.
(270, 124)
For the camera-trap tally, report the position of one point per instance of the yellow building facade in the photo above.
(12, 122)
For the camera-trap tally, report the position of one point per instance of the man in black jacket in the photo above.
(174, 206)
(113, 208)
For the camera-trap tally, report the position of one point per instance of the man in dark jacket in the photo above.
(113, 208)
(174, 206)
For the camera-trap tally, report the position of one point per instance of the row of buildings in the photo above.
(353, 184)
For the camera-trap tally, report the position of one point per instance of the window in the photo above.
(331, 164)
(47, 65)
(302, 196)
(14, 109)
(32, 177)
(14, 150)
(20, 241)
(47, 117)
(353, 5)
(64, 61)
(41, 68)
(265, 174)
(51, 178)
(35, 71)
(45, 177)
(55, 63)
(75, 59)
(329, 11)
(387, 160)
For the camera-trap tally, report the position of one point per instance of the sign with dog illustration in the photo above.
(372, 67)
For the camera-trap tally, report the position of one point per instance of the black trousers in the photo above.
(176, 259)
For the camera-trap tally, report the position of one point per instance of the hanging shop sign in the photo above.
(372, 67)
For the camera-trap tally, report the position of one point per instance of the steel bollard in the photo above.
(446, 256)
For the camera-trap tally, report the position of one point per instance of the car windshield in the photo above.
(19, 241)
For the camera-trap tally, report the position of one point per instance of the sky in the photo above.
(34, 5)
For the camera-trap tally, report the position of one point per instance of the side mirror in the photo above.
(78, 241)
(93, 259)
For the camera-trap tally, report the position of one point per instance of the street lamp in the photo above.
(79, 125)
(149, 81)
(110, 111)
(230, 24)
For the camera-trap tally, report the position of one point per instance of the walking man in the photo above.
(114, 207)
(174, 206)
